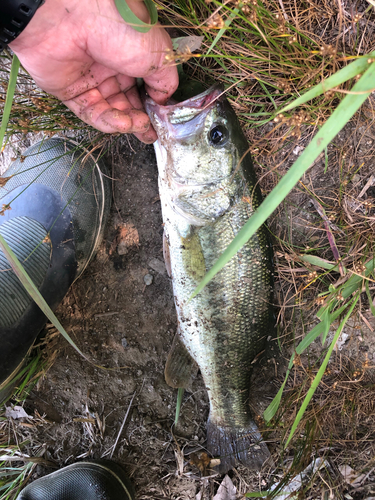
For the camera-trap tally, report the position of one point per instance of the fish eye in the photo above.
(218, 135)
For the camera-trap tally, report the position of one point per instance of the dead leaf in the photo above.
(4, 208)
(227, 490)
(16, 412)
(187, 43)
(179, 459)
(351, 476)
(289, 490)
(84, 420)
(4, 180)
(201, 461)
(126, 237)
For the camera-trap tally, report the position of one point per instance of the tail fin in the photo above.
(232, 444)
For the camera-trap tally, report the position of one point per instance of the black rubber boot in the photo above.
(96, 480)
(53, 208)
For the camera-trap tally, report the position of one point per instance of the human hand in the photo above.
(83, 52)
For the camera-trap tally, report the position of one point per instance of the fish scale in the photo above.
(208, 190)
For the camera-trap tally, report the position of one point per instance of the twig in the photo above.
(104, 315)
(122, 426)
(366, 322)
(328, 224)
(369, 183)
(283, 10)
(322, 214)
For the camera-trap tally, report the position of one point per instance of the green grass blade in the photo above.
(272, 408)
(326, 320)
(268, 94)
(351, 71)
(351, 286)
(355, 281)
(319, 262)
(369, 298)
(9, 98)
(345, 110)
(180, 394)
(320, 373)
(34, 292)
(130, 18)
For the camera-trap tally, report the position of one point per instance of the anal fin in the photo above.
(180, 368)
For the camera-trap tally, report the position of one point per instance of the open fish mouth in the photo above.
(182, 112)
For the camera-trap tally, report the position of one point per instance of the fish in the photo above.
(208, 190)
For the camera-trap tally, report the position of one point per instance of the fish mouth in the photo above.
(182, 112)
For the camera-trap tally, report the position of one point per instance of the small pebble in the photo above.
(148, 279)
(124, 342)
(157, 265)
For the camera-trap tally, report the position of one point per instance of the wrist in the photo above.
(15, 15)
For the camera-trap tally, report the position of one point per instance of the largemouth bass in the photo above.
(208, 190)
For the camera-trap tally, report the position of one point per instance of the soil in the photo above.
(120, 313)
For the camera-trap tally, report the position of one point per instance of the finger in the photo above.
(132, 101)
(148, 137)
(110, 89)
(93, 109)
(162, 84)
(133, 97)
(94, 76)
(112, 93)
(129, 87)
(121, 92)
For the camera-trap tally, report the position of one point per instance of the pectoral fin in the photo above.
(180, 368)
(193, 257)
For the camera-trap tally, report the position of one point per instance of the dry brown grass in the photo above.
(273, 51)
(339, 425)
